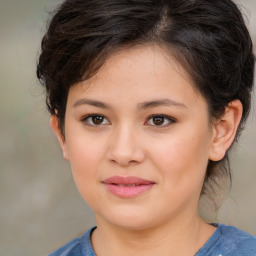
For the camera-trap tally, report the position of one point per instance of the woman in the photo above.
(146, 98)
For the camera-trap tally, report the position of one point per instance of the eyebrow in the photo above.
(94, 103)
(160, 102)
(143, 105)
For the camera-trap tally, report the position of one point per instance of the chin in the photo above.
(130, 218)
(133, 224)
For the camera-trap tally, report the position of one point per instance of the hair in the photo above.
(207, 37)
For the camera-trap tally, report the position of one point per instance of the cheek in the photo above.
(84, 159)
(84, 149)
(85, 156)
(182, 158)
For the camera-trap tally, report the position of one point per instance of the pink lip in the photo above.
(127, 187)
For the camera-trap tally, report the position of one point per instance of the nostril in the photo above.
(124, 163)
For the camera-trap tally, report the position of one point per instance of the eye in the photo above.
(95, 120)
(160, 120)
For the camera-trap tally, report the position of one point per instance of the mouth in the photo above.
(127, 187)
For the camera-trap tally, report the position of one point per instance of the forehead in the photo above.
(150, 58)
(138, 74)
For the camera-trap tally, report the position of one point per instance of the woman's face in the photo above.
(138, 139)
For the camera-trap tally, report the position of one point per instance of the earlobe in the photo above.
(225, 130)
(54, 124)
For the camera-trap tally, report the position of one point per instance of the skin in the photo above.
(174, 155)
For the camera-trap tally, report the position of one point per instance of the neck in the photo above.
(174, 238)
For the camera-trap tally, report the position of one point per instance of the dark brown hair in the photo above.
(207, 37)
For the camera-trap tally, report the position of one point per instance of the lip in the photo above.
(127, 187)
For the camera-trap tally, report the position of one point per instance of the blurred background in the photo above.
(40, 208)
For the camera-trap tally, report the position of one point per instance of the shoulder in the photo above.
(77, 247)
(236, 242)
(229, 241)
(71, 248)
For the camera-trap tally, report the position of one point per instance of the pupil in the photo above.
(97, 119)
(158, 120)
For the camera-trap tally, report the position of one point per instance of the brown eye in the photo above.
(158, 120)
(95, 120)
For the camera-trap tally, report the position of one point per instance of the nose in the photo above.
(125, 147)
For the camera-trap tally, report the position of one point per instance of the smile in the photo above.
(127, 187)
(132, 185)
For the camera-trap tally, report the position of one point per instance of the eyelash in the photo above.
(87, 117)
(165, 118)
(170, 120)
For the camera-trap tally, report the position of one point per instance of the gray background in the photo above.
(40, 206)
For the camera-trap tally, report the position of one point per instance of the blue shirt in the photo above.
(225, 241)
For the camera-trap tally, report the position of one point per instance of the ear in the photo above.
(54, 124)
(225, 130)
